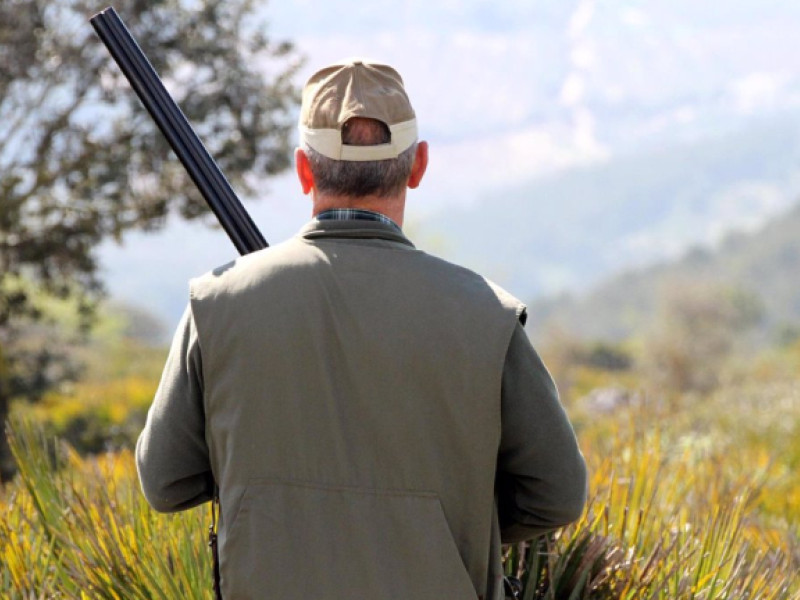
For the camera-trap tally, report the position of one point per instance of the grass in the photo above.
(697, 498)
(692, 496)
(75, 527)
(665, 523)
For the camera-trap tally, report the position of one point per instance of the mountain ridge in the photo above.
(764, 264)
(566, 232)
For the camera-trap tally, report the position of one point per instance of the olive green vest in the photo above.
(352, 398)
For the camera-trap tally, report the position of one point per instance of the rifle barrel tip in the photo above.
(107, 9)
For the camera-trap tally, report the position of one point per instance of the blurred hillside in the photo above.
(763, 266)
(569, 231)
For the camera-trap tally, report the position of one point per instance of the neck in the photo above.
(393, 206)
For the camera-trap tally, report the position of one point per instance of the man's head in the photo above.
(358, 133)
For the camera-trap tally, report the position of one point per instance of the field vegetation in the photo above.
(695, 482)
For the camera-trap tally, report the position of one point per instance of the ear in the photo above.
(303, 168)
(419, 166)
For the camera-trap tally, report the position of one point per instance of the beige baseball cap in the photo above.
(356, 88)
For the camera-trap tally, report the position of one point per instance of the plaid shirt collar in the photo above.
(356, 214)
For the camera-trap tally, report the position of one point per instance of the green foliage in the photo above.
(94, 417)
(107, 408)
(82, 161)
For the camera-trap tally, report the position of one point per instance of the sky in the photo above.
(506, 92)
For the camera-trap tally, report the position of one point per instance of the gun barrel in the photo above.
(197, 161)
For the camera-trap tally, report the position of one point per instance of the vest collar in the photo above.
(353, 229)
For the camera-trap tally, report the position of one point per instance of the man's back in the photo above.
(376, 419)
(353, 400)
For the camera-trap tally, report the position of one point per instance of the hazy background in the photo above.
(629, 169)
(570, 140)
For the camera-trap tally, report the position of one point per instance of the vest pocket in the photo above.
(303, 540)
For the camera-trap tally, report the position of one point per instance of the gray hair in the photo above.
(357, 179)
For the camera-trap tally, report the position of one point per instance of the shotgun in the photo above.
(197, 161)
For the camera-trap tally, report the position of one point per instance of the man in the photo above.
(375, 418)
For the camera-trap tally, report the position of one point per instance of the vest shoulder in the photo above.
(242, 271)
(445, 270)
(296, 258)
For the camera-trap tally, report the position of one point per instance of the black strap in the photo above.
(212, 542)
(512, 587)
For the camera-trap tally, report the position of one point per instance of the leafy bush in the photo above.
(94, 417)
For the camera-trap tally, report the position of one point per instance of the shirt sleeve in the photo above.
(172, 456)
(541, 473)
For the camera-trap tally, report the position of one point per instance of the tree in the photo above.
(81, 160)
